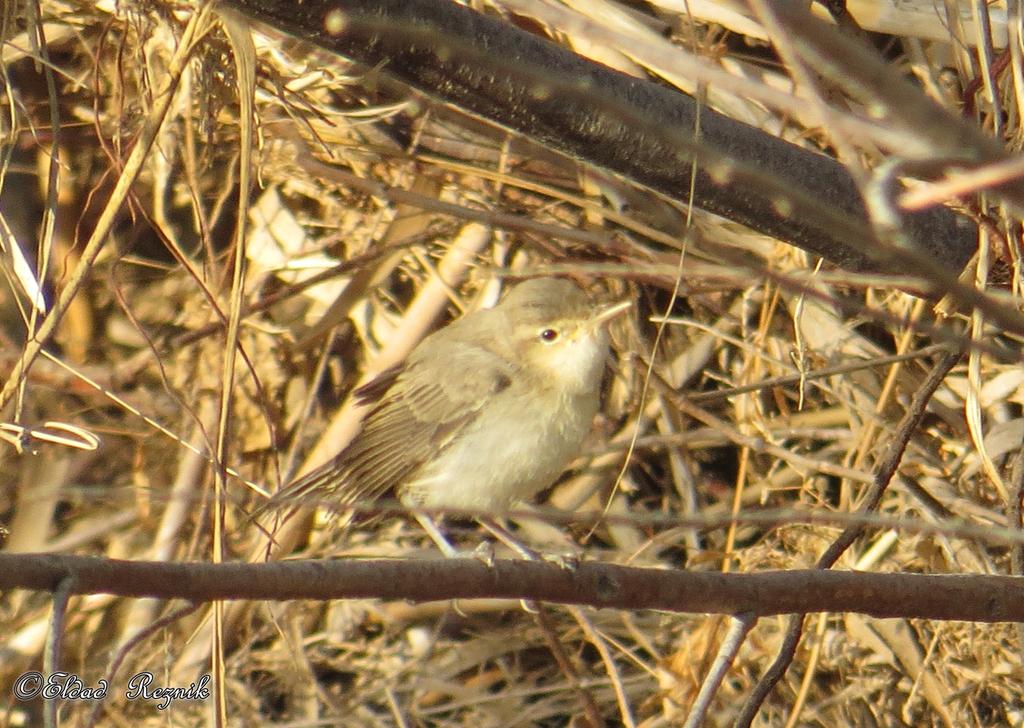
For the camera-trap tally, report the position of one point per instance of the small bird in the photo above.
(484, 412)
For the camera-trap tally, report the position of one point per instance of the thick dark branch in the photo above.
(971, 598)
(634, 127)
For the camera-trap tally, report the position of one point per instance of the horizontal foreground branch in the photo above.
(957, 597)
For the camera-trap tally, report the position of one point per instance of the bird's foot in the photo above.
(485, 552)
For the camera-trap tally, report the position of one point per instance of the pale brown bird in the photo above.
(484, 412)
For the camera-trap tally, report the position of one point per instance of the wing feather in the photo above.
(420, 409)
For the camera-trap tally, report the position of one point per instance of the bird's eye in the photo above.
(549, 335)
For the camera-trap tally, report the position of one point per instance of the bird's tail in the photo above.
(311, 490)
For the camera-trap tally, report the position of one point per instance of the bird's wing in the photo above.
(419, 412)
(373, 390)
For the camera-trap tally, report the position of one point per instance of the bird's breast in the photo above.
(518, 445)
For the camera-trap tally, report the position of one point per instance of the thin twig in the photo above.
(590, 709)
(51, 655)
(739, 627)
(131, 644)
(883, 475)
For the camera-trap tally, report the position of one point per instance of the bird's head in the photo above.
(558, 333)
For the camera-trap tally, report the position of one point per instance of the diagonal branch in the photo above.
(634, 127)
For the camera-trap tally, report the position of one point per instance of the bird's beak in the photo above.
(607, 313)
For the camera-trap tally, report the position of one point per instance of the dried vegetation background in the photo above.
(408, 213)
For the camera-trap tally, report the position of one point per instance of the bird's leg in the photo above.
(499, 532)
(502, 534)
(436, 536)
(568, 562)
(505, 536)
(484, 551)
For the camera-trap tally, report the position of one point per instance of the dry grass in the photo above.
(139, 358)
